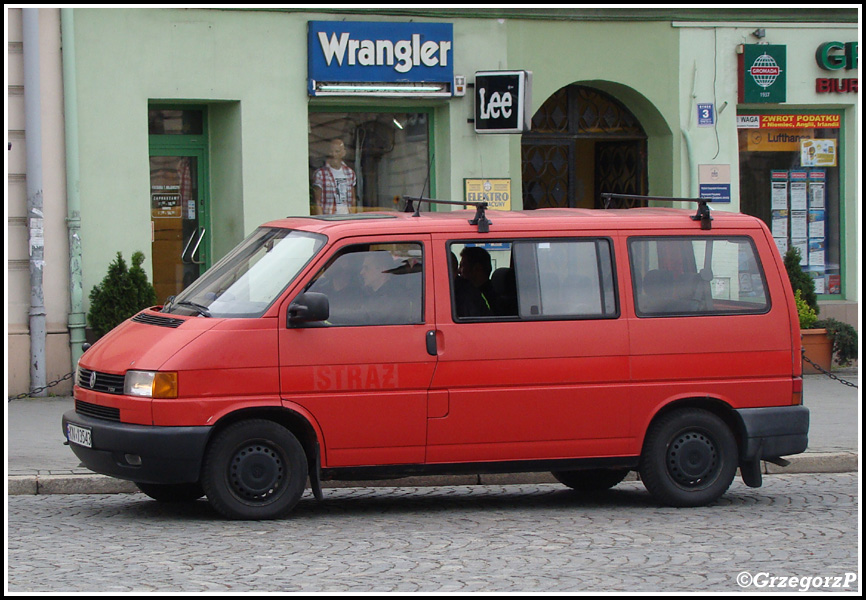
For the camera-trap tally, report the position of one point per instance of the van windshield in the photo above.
(251, 277)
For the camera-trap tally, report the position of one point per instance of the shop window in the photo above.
(367, 161)
(789, 178)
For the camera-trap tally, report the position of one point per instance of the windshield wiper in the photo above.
(202, 310)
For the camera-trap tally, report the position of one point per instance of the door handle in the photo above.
(190, 259)
(431, 343)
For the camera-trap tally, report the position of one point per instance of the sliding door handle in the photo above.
(431, 343)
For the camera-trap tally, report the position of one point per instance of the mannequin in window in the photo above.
(334, 184)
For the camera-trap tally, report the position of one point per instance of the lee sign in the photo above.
(502, 101)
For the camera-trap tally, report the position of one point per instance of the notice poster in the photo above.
(818, 153)
(816, 253)
(779, 223)
(820, 287)
(799, 190)
(802, 244)
(817, 189)
(799, 224)
(779, 190)
(816, 224)
(781, 244)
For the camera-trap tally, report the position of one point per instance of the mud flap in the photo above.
(750, 471)
(315, 474)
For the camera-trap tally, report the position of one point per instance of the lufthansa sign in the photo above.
(502, 101)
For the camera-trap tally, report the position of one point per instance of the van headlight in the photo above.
(150, 384)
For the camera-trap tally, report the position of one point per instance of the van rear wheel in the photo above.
(254, 470)
(689, 458)
(591, 480)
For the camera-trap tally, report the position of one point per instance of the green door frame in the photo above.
(194, 146)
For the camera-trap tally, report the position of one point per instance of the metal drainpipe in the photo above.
(35, 217)
(77, 319)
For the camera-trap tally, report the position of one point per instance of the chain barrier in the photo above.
(50, 384)
(828, 373)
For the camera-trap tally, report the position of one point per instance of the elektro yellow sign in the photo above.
(496, 192)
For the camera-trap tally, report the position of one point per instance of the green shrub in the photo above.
(121, 294)
(805, 312)
(800, 280)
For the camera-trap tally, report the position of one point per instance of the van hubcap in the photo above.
(692, 459)
(256, 472)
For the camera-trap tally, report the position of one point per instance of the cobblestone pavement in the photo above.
(514, 538)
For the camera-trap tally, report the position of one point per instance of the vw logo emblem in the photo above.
(92, 378)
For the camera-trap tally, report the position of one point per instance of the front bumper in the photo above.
(165, 454)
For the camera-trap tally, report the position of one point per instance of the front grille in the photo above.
(157, 320)
(103, 382)
(98, 412)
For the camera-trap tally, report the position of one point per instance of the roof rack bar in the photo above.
(703, 215)
(609, 196)
(480, 218)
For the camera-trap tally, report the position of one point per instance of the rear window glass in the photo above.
(696, 276)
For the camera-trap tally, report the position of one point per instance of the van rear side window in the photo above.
(533, 279)
(696, 276)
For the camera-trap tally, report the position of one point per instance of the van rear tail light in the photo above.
(797, 395)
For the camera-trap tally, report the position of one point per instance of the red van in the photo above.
(356, 347)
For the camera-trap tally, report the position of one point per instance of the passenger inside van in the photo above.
(475, 267)
(469, 300)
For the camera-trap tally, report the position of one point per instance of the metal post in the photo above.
(77, 318)
(35, 218)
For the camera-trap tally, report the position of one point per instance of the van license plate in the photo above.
(78, 435)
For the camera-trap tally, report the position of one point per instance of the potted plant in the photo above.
(817, 345)
(823, 339)
(846, 342)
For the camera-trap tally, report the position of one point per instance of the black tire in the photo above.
(591, 480)
(176, 492)
(689, 458)
(254, 470)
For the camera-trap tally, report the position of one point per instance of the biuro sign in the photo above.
(834, 56)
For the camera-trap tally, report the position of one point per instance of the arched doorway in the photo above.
(583, 143)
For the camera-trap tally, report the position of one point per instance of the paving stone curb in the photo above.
(89, 483)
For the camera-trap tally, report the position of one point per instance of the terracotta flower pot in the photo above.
(819, 348)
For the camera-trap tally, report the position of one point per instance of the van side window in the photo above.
(533, 279)
(696, 276)
(373, 284)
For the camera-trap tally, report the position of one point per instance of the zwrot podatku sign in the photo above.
(803, 121)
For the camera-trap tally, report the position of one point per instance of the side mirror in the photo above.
(308, 308)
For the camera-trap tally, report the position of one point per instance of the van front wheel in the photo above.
(689, 458)
(253, 470)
